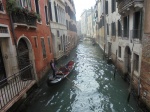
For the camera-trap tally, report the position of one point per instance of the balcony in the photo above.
(125, 5)
(21, 19)
(12, 88)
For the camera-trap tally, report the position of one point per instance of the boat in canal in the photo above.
(61, 73)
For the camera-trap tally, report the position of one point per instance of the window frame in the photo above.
(43, 48)
(119, 51)
(35, 41)
(46, 14)
(49, 44)
(136, 62)
(2, 11)
(40, 22)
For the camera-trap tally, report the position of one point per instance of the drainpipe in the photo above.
(14, 35)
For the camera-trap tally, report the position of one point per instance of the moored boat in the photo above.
(62, 73)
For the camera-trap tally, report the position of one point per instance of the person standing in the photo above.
(52, 64)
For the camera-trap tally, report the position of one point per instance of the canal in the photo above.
(89, 88)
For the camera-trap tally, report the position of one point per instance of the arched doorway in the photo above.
(24, 60)
(127, 59)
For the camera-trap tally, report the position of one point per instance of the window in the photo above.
(50, 11)
(106, 7)
(55, 7)
(1, 6)
(137, 25)
(119, 28)
(113, 29)
(107, 29)
(49, 45)
(59, 46)
(67, 24)
(43, 47)
(37, 7)
(126, 26)
(24, 3)
(119, 54)
(57, 33)
(46, 15)
(35, 42)
(113, 5)
(136, 62)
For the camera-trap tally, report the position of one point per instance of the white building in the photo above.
(58, 26)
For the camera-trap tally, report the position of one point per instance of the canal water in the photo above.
(89, 88)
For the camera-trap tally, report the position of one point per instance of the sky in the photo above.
(80, 5)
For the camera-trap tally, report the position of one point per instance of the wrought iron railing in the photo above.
(13, 85)
(22, 18)
(3, 29)
(124, 4)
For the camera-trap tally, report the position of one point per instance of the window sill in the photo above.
(136, 73)
(2, 12)
(39, 22)
(120, 59)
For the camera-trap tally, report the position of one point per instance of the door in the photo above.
(2, 69)
(24, 61)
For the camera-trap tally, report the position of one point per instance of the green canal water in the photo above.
(91, 87)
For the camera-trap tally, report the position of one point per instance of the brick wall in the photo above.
(145, 70)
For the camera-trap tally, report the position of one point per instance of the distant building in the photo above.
(84, 21)
(79, 28)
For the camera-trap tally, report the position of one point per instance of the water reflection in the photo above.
(91, 89)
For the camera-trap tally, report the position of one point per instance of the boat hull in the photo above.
(50, 81)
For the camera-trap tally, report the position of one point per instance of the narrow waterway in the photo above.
(91, 87)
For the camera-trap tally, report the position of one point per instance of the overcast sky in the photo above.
(81, 5)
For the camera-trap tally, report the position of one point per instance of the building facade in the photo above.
(58, 27)
(84, 21)
(79, 28)
(25, 47)
(122, 31)
(72, 37)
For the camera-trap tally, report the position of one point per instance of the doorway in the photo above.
(2, 69)
(24, 60)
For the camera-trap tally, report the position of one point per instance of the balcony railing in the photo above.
(12, 86)
(136, 35)
(3, 29)
(126, 4)
(23, 19)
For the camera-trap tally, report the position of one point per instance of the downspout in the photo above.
(14, 35)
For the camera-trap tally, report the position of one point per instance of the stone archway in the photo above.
(127, 60)
(24, 59)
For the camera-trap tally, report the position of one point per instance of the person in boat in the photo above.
(52, 64)
(63, 70)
